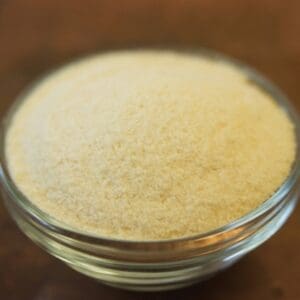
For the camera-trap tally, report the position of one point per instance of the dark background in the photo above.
(36, 35)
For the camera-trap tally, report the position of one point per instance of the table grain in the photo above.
(37, 35)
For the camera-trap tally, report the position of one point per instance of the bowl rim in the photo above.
(60, 227)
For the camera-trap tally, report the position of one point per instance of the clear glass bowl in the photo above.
(156, 265)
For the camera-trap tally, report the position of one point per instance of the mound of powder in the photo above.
(149, 145)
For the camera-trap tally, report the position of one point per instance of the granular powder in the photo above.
(149, 145)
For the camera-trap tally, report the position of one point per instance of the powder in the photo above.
(149, 145)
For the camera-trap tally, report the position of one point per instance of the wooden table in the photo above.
(36, 35)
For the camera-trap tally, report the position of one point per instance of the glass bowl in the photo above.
(164, 264)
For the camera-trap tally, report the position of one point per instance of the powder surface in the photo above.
(149, 145)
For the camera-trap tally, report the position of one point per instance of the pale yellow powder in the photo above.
(149, 145)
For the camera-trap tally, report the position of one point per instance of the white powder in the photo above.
(149, 145)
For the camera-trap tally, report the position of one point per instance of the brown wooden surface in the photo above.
(36, 35)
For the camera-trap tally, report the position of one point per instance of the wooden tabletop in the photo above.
(36, 35)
